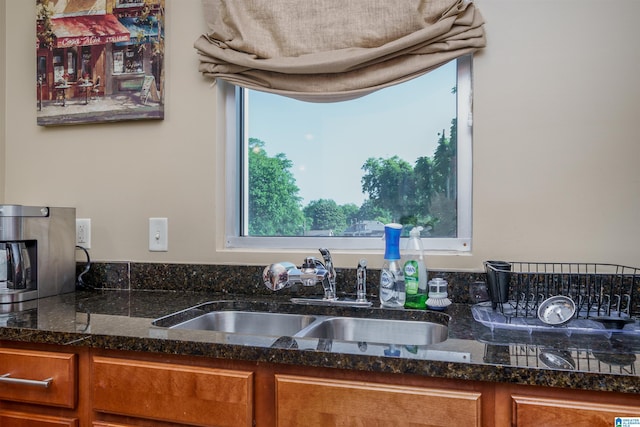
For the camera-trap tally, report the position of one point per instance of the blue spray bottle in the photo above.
(392, 292)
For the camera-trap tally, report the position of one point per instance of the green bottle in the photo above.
(415, 272)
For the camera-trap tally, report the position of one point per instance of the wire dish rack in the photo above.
(572, 359)
(606, 296)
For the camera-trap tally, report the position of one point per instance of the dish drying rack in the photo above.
(607, 296)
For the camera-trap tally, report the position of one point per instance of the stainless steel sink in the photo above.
(239, 318)
(382, 331)
(248, 322)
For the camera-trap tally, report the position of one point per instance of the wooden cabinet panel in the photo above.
(106, 424)
(19, 419)
(538, 411)
(310, 402)
(39, 365)
(172, 392)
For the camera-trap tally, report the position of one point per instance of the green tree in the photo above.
(443, 203)
(351, 212)
(274, 203)
(368, 211)
(390, 184)
(423, 174)
(424, 194)
(444, 219)
(325, 214)
(445, 163)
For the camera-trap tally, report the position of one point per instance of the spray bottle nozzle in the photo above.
(415, 231)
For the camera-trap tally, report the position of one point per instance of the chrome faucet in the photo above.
(313, 271)
(284, 274)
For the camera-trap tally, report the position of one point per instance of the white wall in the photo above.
(556, 149)
(3, 98)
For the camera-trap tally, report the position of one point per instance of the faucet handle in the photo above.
(326, 255)
(328, 263)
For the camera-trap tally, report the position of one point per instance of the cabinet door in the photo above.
(172, 392)
(20, 419)
(538, 411)
(28, 371)
(310, 402)
(106, 424)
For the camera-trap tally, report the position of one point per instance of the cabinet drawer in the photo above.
(305, 401)
(172, 392)
(20, 419)
(59, 370)
(107, 424)
(539, 411)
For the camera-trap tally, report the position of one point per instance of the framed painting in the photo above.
(99, 61)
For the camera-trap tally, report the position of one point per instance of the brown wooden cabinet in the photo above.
(133, 389)
(523, 406)
(129, 389)
(34, 385)
(110, 388)
(22, 419)
(536, 411)
(172, 392)
(309, 401)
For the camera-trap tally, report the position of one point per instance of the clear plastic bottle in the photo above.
(415, 271)
(392, 293)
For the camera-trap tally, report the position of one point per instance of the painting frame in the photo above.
(99, 61)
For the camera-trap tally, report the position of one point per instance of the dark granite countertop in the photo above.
(122, 320)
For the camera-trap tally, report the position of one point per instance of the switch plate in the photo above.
(83, 232)
(158, 234)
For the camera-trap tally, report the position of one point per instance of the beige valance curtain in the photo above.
(332, 50)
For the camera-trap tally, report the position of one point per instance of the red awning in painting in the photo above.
(88, 30)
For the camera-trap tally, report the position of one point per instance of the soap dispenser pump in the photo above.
(438, 296)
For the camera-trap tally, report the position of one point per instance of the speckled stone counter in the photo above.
(123, 320)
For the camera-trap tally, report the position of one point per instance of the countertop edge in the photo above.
(436, 369)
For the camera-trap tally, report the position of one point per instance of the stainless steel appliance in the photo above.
(37, 252)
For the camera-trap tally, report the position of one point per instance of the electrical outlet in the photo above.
(158, 234)
(83, 232)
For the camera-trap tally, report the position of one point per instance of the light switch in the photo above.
(158, 234)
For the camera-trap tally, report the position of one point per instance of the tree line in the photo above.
(420, 194)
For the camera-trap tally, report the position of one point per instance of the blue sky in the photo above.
(329, 143)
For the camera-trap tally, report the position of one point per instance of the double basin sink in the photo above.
(219, 317)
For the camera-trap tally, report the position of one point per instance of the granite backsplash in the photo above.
(464, 287)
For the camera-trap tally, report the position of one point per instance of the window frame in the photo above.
(234, 102)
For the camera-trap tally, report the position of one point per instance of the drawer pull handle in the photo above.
(35, 383)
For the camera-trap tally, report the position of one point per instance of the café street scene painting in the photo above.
(99, 61)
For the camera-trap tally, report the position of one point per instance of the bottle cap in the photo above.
(392, 241)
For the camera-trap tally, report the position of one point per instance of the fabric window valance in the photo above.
(332, 50)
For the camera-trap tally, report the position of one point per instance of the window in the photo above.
(71, 64)
(307, 175)
(127, 59)
(64, 64)
(58, 66)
